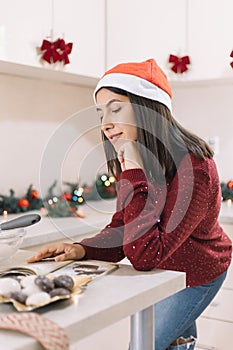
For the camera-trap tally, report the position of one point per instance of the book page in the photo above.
(18, 264)
(92, 268)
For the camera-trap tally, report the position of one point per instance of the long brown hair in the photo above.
(164, 141)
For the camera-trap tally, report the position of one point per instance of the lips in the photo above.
(113, 138)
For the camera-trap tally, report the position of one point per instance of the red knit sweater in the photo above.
(173, 227)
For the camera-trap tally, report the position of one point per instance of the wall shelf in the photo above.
(42, 73)
(33, 72)
(202, 82)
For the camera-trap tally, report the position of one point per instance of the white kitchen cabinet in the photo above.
(210, 38)
(83, 23)
(106, 32)
(25, 23)
(138, 30)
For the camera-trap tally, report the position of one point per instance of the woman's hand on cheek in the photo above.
(129, 156)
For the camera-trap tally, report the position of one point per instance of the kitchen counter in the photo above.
(97, 214)
(105, 301)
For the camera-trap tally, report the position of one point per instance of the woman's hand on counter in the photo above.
(60, 252)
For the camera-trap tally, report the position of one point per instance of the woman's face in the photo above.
(117, 117)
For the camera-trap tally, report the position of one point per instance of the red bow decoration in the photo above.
(56, 51)
(65, 51)
(231, 55)
(50, 51)
(180, 63)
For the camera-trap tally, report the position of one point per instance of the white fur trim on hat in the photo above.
(135, 85)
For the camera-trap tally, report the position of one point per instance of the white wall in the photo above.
(207, 110)
(30, 113)
(34, 112)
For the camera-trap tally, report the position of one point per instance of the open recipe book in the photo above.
(17, 265)
(49, 276)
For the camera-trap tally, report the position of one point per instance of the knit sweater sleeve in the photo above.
(107, 245)
(157, 221)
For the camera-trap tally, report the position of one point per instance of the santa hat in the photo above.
(144, 79)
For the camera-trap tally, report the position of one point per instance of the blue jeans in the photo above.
(175, 316)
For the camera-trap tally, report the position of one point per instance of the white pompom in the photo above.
(31, 289)
(8, 286)
(27, 281)
(37, 298)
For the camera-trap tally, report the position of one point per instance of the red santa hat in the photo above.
(144, 79)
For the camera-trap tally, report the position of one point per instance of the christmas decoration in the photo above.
(76, 193)
(105, 186)
(179, 64)
(34, 194)
(23, 203)
(54, 51)
(59, 205)
(227, 190)
(11, 204)
(68, 202)
(231, 55)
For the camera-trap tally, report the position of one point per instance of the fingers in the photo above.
(68, 254)
(71, 252)
(65, 256)
(129, 156)
(62, 257)
(46, 253)
(61, 252)
(120, 156)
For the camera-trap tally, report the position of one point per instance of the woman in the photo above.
(168, 198)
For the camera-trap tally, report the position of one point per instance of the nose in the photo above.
(106, 125)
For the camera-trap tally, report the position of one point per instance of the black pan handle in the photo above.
(22, 221)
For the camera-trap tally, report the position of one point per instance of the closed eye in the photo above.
(116, 110)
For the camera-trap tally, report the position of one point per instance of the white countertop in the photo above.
(104, 301)
(97, 214)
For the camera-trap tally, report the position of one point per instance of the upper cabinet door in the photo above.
(106, 32)
(25, 23)
(83, 23)
(138, 30)
(211, 38)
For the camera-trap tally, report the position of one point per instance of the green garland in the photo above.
(29, 201)
(62, 205)
(227, 190)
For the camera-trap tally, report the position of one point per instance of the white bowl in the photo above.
(10, 242)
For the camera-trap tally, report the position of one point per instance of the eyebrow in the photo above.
(109, 103)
